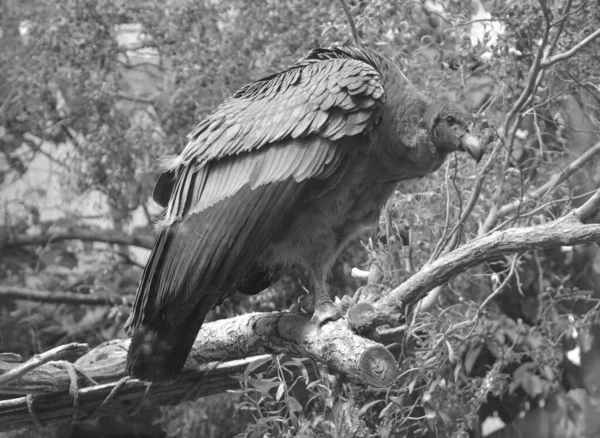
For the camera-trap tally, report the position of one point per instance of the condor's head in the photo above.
(452, 129)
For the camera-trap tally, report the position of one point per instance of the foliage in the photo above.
(108, 111)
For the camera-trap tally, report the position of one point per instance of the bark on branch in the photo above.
(361, 360)
(124, 395)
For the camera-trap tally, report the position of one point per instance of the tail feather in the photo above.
(196, 263)
(163, 335)
(158, 351)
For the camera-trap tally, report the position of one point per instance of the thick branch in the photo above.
(47, 296)
(127, 395)
(104, 236)
(360, 359)
(335, 344)
(568, 230)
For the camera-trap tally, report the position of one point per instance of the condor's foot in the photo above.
(326, 311)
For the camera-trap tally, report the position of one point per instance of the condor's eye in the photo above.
(451, 120)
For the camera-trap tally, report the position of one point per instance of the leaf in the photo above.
(298, 363)
(457, 370)
(385, 410)
(398, 400)
(293, 404)
(451, 356)
(533, 385)
(411, 385)
(430, 414)
(280, 391)
(256, 364)
(471, 357)
(384, 430)
(264, 385)
(434, 384)
(445, 418)
(368, 406)
(304, 428)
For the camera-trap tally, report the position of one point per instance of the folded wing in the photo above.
(243, 172)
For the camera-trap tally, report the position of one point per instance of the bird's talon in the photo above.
(326, 312)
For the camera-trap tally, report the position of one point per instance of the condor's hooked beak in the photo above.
(471, 145)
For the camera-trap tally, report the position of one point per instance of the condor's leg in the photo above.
(325, 310)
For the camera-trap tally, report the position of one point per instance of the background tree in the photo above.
(96, 91)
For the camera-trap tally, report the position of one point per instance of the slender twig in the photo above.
(533, 73)
(561, 24)
(57, 353)
(498, 290)
(586, 87)
(134, 99)
(482, 20)
(539, 208)
(47, 296)
(538, 132)
(36, 148)
(7, 100)
(350, 23)
(589, 209)
(104, 236)
(566, 14)
(482, 173)
(555, 180)
(459, 229)
(442, 240)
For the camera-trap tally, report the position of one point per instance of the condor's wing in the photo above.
(241, 173)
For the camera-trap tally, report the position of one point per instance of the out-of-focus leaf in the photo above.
(293, 404)
(363, 410)
(256, 364)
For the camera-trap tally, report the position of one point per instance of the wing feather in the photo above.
(291, 102)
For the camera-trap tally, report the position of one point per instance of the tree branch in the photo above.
(104, 236)
(556, 179)
(567, 230)
(350, 23)
(125, 395)
(360, 359)
(534, 72)
(38, 360)
(561, 25)
(48, 296)
(572, 51)
(589, 209)
(335, 344)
